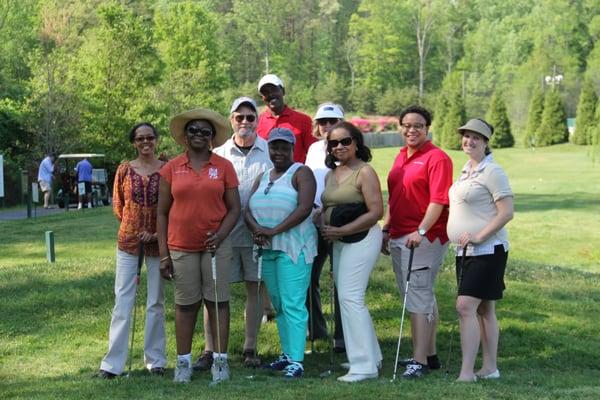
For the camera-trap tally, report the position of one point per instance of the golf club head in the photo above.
(326, 374)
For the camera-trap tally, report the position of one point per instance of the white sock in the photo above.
(185, 357)
(79, 205)
(89, 205)
(222, 355)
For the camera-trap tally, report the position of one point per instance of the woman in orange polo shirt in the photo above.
(198, 205)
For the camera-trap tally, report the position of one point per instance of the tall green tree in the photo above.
(553, 128)
(586, 109)
(498, 118)
(439, 117)
(195, 71)
(117, 64)
(534, 119)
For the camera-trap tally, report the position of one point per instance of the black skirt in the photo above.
(482, 277)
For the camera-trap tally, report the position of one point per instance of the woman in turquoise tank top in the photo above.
(278, 215)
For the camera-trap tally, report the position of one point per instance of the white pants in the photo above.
(154, 331)
(352, 266)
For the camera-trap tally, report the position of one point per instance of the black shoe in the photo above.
(204, 362)
(415, 370)
(433, 362)
(105, 374)
(159, 371)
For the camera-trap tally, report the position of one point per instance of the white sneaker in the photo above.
(350, 378)
(491, 375)
(79, 206)
(220, 370)
(183, 372)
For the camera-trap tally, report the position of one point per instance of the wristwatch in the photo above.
(422, 231)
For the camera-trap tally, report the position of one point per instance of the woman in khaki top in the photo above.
(481, 203)
(352, 201)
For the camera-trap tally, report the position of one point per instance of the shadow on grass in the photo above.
(525, 202)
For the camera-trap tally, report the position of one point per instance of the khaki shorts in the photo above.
(243, 266)
(45, 186)
(192, 275)
(427, 260)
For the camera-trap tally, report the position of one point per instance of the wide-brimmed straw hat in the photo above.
(222, 127)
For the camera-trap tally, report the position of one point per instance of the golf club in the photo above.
(137, 283)
(259, 311)
(461, 268)
(329, 372)
(310, 317)
(218, 362)
(410, 261)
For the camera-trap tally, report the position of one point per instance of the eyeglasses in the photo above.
(196, 131)
(408, 127)
(325, 121)
(141, 139)
(269, 186)
(240, 118)
(332, 144)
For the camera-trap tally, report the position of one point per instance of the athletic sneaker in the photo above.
(183, 372)
(433, 362)
(415, 370)
(280, 364)
(204, 362)
(294, 370)
(220, 370)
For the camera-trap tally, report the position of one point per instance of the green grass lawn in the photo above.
(54, 317)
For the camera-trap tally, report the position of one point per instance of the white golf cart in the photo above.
(67, 194)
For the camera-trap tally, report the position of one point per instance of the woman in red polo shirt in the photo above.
(416, 218)
(198, 205)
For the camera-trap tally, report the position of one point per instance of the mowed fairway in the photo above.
(54, 318)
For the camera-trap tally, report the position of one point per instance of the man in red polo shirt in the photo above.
(278, 114)
(417, 214)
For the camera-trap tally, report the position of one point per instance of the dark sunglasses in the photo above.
(332, 144)
(196, 131)
(269, 186)
(325, 121)
(240, 118)
(141, 139)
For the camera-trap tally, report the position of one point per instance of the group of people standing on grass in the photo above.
(271, 203)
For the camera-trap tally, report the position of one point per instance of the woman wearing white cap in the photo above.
(328, 114)
(481, 203)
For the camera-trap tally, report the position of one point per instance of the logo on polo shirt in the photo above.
(418, 162)
(213, 173)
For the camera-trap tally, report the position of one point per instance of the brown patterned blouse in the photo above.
(135, 198)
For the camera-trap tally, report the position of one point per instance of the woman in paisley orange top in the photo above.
(135, 196)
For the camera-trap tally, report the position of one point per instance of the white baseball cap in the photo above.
(243, 100)
(269, 79)
(329, 110)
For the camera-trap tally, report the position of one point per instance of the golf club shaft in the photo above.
(410, 262)
(259, 310)
(137, 283)
(213, 263)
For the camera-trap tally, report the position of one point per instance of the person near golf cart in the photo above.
(249, 155)
(352, 205)
(84, 169)
(45, 176)
(279, 216)
(416, 218)
(481, 204)
(198, 206)
(135, 196)
(328, 114)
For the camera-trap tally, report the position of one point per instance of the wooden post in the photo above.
(50, 247)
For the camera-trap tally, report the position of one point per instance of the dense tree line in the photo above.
(75, 75)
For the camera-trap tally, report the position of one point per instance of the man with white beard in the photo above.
(249, 155)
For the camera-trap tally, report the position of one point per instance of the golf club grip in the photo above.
(140, 262)
(410, 262)
(259, 255)
(461, 268)
(213, 266)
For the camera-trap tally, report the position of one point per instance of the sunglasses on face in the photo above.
(141, 139)
(327, 121)
(197, 131)
(240, 118)
(333, 143)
